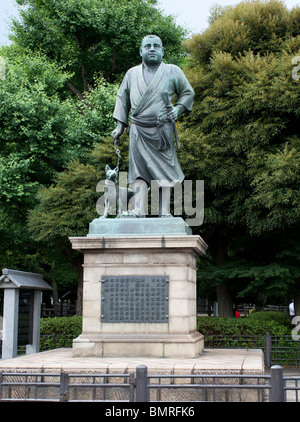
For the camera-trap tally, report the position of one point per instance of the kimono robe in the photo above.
(152, 153)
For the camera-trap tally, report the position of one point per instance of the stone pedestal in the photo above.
(171, 256)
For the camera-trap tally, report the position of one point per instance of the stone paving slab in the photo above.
(210, 362)
(247, 361)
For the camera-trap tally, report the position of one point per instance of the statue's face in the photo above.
(152, 51)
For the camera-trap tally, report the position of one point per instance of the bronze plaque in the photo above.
(135, 299)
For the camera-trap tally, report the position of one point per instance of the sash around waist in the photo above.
(149, 122)
(163, 141)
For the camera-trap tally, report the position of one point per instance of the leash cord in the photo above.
(117, 151)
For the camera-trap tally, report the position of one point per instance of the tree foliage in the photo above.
(242, 139)
(94, 37)
(65, 210)
(48, 135)
(34, 125)
(42, 128)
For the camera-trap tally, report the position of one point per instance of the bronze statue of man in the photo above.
(146, 93)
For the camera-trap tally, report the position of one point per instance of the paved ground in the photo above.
(210, 361)
(293, 375)
(292, 395)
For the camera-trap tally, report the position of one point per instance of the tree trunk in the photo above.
(113, 69)
(79, 270)
(224, 300)
(297, 304)
(84, 71)
(218, 247)
(74, 90)
(84, 74)
(77, 263)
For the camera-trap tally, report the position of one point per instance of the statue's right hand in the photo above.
(118, 131)
(115, 135)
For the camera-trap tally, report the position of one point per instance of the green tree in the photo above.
(93, 37)
(61, 49)
(42, 128)
(34, 118)
(65, 210)
(242, 139)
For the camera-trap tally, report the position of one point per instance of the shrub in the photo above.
(250, 326)
(242, 332)
(59, 332)
(278, 317)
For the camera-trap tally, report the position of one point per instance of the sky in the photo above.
(192, 14)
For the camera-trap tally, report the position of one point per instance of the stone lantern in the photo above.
(21, 310)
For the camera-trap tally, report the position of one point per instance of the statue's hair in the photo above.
(151, 36)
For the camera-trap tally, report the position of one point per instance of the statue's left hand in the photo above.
(173, 114)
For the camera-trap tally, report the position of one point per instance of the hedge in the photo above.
(59, 331)
(218, 333)
(256, 324)
(279, 317)
(243, 332)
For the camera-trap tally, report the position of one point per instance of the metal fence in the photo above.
(142, 387)
(209, 309)
(273, 387)
(291, 387)
(62, 308)
(278, 350)
(284, 350)
(66, 387)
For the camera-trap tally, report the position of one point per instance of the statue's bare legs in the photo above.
(140, 200)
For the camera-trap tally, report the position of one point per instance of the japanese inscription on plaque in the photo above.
(135, 299)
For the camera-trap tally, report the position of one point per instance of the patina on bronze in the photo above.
(145, 94)
(135, 299)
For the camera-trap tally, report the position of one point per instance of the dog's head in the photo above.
(111, 174)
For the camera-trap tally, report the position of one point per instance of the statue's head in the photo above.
(152, 50)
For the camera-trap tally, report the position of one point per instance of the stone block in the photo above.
(91, 324)
(181, 325)
(92, 291)
(173, 256)
(138, 226)
(135, 258)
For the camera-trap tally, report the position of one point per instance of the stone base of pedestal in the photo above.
(139, 296)
(138, 227)
(154, 346)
